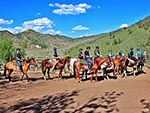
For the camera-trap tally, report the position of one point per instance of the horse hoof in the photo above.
(79, 81)
(44, 78)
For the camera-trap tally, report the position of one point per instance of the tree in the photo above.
(114, 42)
(6, 49)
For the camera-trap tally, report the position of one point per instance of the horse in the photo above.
(131, 63)
(100, 63)
(11, 66)
(79, 65)
(72, 60)
(46, 64)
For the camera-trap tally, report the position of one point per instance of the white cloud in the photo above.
(2, 21)
(87, 34)
(70, 8)
(43, 25)
(80, 27)
(51, 5)
(53, 32)
(124, 25)
(98, 7)
(38, 14)
(38, 24)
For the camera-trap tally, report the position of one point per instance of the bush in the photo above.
(6, 49)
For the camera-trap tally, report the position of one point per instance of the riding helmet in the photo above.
(54, 48)
(17, 49)
(80, 49)
(88, 47)
(97, 47)
(131, 48)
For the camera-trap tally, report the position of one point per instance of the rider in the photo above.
(110, 55)
(80, 54)
(55, 58)
(96, 52)
(131, 55)
(120, 54)
(87, 57)
(19, 59)
(139, 53)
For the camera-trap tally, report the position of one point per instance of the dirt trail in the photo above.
(122, 95)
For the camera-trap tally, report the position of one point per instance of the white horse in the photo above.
(71, 65)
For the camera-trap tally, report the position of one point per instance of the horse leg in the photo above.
(78, 75)
(27, 77)
(92, 77)
(9, 72)
(125, 72)
(44, 72)
(48, 73)
(96, 77)
(22, 77)
(134, 71)
(105, 73)
(60, 74)
(86, 74)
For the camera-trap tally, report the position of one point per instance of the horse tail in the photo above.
(4, 74)
(74, 70)
(121, 67)
(43, 65)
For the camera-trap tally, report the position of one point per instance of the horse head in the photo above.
(68, 59)
(31, 61)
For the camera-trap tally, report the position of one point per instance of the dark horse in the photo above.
(128, 63)
(98, 62)
(12, 66)
(47, 65)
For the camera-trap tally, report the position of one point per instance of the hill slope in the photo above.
(41, 45)
(136, 36)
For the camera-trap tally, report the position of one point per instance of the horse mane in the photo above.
(28, 60)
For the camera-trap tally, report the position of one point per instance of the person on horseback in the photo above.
(96, 52)
(110, 55)
(139, 53)
(19, 59)
(87, 57)
(80, 54)
(120, 54)
(55, 58)
(131, 55)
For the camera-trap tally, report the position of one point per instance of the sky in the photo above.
(72, 18)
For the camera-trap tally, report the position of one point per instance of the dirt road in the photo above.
(122, 95)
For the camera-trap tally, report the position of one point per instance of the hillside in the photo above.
(41, 45)
(136, 36)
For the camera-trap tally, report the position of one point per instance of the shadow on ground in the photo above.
(65, 103)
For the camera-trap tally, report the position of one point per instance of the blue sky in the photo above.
(73, 18)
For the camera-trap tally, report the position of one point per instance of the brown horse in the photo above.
(117, 64)
(98, 62)
(12, 66)
(46, 64)
(77, 67)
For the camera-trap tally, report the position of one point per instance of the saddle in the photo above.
(14, 63)
(131, 61)
(83, 62)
